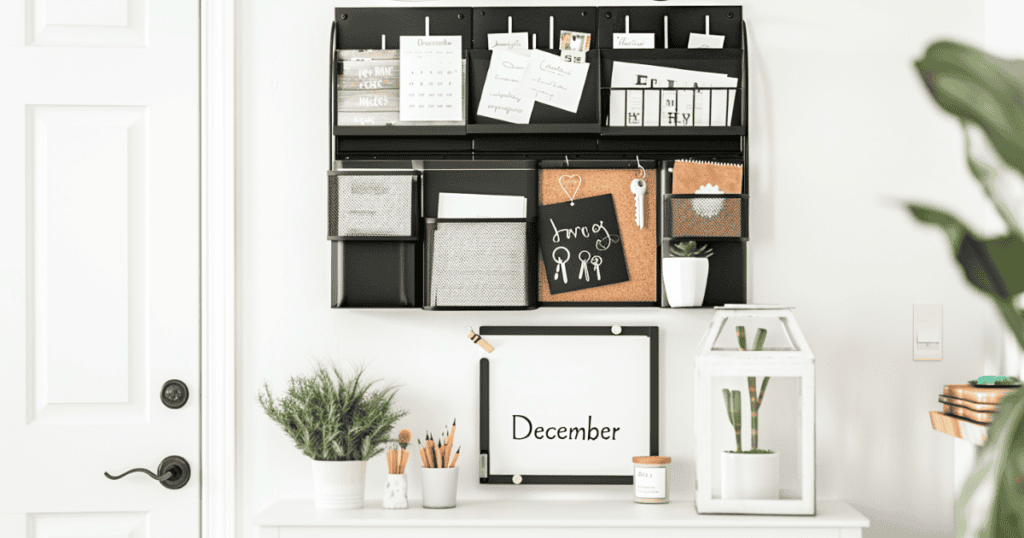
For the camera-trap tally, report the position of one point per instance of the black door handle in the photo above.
(173, 472)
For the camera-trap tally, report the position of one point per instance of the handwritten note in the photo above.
(632, 41)
(508, 41)
(431, 78)
(553, 82)
(501, 98)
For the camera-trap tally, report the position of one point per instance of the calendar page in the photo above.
(431, 78)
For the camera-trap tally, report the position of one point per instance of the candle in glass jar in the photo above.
(650, 479)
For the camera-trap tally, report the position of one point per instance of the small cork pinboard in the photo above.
(640, 245)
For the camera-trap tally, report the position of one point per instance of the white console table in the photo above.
(539, 519)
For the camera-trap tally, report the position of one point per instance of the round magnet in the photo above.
(616, 329)
(517, 479)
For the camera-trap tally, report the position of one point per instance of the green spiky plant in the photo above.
(334, 418)
(689, 249)
(988, 92)
(732, 398)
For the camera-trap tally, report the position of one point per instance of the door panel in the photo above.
(99, 272)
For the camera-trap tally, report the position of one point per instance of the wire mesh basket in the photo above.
(706, 215)
(372, 205)
(477, 263)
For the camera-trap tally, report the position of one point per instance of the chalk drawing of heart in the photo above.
(579, 181)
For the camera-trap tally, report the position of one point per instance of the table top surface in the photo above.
(540, 513)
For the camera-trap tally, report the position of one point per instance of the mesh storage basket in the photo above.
(479, 263)
(703, 215)
(372, 205)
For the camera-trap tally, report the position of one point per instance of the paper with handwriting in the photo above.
(501, 98)
(554, 82)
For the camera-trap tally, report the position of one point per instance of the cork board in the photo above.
(641, 245)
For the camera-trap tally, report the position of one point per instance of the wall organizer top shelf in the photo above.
(398, 163)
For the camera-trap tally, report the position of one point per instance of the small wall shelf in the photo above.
(298, 519)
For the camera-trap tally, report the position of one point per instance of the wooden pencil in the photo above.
(456, 457)
(430, 451)
(404, 460)
(423, 453)
(437, 455)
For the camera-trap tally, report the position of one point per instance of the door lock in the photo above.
(174, 394)
(173, 472)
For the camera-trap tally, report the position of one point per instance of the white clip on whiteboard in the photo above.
(567, 405)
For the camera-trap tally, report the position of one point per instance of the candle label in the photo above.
(649, 482)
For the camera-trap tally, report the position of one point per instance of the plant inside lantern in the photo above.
(754, 473)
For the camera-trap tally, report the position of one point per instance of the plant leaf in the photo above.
(992, 501)
(980, 88)
(994, 266)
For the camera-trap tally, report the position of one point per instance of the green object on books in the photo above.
(996, 380)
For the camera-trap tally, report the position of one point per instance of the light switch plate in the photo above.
(927, 338)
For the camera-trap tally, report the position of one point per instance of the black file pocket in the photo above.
(480, 264)
(706, 215)
(373, 205)
(650, 102)
(371, 274)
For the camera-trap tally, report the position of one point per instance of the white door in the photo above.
(99, 265)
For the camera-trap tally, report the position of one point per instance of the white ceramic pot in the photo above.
(338, 485)
(750, 476)
(439, 486)
(396, 492)
(685, 279)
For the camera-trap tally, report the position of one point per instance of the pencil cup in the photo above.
(439, 487)
(396, 491)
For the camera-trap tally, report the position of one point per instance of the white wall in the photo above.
(841, 132)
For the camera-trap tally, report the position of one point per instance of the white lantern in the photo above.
(755, 414)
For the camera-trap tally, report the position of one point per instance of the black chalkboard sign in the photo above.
(581, 245)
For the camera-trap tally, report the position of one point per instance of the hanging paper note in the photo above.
(580, 244)
(501, 98)
(632, 41)
(509, 41)
(705, 41)
(553, 82)
(431, 78)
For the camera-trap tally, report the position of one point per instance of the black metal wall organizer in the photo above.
(486, 156)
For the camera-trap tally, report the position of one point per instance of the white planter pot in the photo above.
(338, 485)
(750, 476)
(439, 486)
(685, 279)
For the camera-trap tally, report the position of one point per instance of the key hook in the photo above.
(641, 167)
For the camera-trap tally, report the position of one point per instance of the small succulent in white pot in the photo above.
(339, 422)
(685, 273)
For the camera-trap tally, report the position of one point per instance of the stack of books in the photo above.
(968, 409)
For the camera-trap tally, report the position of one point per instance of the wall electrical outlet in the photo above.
(927, 332)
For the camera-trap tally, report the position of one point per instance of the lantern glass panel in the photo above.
(779, 336)
(778, 430)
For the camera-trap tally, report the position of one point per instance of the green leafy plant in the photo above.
(689, 249)
(988, 92)
(332, 418)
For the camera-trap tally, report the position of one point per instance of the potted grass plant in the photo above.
(339, 422)
(754, 473)
(685, 273)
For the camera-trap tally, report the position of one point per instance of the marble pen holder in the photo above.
(396, 492)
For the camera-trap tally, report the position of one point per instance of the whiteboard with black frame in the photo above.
(567, 405)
